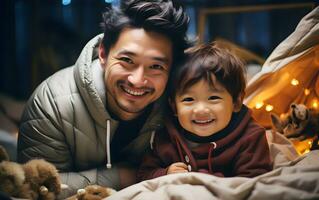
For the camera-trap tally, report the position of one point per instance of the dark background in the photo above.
(39, 37)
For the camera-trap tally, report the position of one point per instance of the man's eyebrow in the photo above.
(161, 59)
(157, 58)
(126, 52)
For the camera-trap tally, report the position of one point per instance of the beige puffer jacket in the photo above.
(66, 123)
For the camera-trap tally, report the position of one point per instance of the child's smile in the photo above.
(203, 122)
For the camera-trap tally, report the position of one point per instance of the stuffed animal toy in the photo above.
(12, 177)
(43, 178)
(92, 192)
(36, 179)
(299, 123)
(3, 154)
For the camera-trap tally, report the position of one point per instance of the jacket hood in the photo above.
(89, 79)
(83, 76)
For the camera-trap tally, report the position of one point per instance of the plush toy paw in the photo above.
(36, 180)
(92, 192)
(43, 178)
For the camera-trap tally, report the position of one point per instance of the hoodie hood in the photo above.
(89, 78)
(83, 75)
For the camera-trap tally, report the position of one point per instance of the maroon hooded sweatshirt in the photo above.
(240, 149)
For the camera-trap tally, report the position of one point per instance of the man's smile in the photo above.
(135, 91)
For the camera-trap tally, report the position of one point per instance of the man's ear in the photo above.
(172, 105)
(102, 54)
(238, 102)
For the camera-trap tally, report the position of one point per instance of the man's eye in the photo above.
(187, 99)
(214, 98)
(159, 67)
(126, 59)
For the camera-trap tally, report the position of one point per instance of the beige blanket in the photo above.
(294, 177)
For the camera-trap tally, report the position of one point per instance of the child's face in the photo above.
(203, 110)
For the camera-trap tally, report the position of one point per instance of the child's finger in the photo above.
(180, 164)
(179, 171)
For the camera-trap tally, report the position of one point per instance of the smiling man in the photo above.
(94, 120)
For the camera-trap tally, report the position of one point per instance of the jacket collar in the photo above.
(84, 80)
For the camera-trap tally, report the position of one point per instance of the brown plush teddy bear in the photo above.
(12, 178)
(36, 179)
(299, 123)
(92, 192)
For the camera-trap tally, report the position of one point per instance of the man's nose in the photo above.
(137, 77)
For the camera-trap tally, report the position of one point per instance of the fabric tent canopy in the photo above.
(289, 75)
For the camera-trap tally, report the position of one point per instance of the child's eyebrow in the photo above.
(215, 89)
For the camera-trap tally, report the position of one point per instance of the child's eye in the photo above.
(214, 98)
(126, 59)
(187, 99)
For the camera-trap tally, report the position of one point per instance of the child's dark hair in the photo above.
(209, 62)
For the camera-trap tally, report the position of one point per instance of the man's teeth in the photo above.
(135, 93)
(203, 121)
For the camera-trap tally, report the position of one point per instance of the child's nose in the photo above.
(201, 108)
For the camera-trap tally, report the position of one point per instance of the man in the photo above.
(94, 120)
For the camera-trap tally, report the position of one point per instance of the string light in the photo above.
(307, 92)
(294, 82)
(306, 151)
(259, 105)
(269, 108)
(315, 103)
(302, 147)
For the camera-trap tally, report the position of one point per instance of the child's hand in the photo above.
(177, 167)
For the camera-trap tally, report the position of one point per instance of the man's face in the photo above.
(136, 71)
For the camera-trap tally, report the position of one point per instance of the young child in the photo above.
(210, 129)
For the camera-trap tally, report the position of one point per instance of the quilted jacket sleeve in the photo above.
(41, 135)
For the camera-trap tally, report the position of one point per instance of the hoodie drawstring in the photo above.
(152, 140)
(108, 144)
(211, 148)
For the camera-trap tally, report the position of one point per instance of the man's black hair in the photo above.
(161, 16)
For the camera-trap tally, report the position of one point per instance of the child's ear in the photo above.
(238, 103)
(172, 105)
